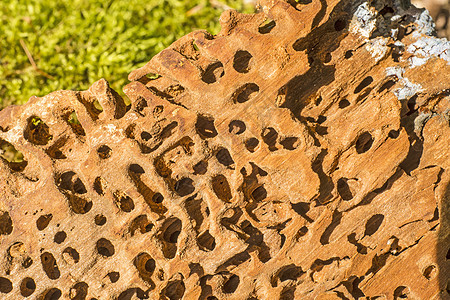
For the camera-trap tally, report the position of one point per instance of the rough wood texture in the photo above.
(302, 153)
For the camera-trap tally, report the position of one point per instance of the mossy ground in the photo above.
(76, 42)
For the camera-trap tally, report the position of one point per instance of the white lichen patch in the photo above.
(407, 89)
(425, 24)
(419, 123)
(427, 47)
(395, 71)
(377, 48)
(364, 23)
(364, 20)
(367, 21)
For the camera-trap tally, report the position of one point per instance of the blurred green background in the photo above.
(46, 45)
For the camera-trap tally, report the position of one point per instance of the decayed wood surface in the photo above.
(302, 153)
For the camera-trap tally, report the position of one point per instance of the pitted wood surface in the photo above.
(302, 153)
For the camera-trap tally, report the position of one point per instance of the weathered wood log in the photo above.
(302, 153)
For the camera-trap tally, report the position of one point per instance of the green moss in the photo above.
(76, 42)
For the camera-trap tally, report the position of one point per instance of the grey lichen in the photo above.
(364, 20)
(407, 89)
(419, 123)
(428, 47)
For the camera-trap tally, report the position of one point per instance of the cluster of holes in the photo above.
(238, 127)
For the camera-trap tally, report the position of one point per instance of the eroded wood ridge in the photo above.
(302, 153)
